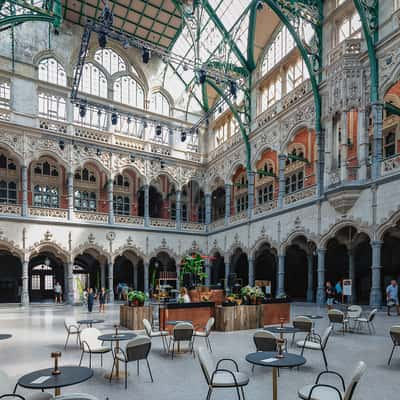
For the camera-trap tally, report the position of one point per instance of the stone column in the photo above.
(321, 276)
(25, 284)
(250, 192)
(207, 270)
(70, 195)
(362, 139)
(280, 284)
(282, 165)
(377, 122)
(146, 205)
(328, 150)
(103, 275)
(310, 278)
(178, 272)
(111, 280)
(70, 280)
(227, 271)
(320, 140)
(228, 196)
(146, 277)
(352, 274)
(110, 194)
(24, 188)
(208, 208)
(251, 271)
(135, 276)
(343, 148)
(375, 298)
(178, 210)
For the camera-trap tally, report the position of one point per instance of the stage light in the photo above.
(144, 124)
(128, 120)
(162, 164)
(102, 38)
(260, 6)
(158, 130)
(145, 55)
(61, 144)
(82, 110)
(202, 76)
(183, 136)
(125, 44)
(132, 158)
(98, 152)
(114, 118)
(99, 113)
(233, 89)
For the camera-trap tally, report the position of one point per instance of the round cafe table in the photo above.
(90, 322)
(173, 323)
(314, 316)
(4, 336)
(44, 379)
(112, 337)
(284, 329)
(269, 359)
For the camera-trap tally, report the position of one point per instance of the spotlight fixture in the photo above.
(132, 158)
(82, 110)
(114, 118)
(183, 136)
(128, 120)
(102, 38)
(260, 6)
(99, 113)
(144, 124)
(162, 164)
(125, 44)
(98, 152)
(202, 76)
(233, 89)
(185, 67)
(61, 144)
(158, 130)
(145, 55)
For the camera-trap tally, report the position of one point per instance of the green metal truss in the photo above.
(16, 12)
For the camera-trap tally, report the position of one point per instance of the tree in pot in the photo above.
(136, 298)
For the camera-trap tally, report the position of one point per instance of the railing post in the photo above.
(24, 187)
(281, 193)
(178, 210)
(228, 195)
(377, 122)
(70, 194)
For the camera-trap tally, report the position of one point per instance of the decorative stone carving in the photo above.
(91, 238)
(344, 200)
(48, 236)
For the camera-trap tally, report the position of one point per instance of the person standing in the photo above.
(392, 296)
(57, 293)
(339, 291)
(330, 295)
(90, 300)
(102, 299)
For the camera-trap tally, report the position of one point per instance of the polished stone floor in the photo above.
(39, 330)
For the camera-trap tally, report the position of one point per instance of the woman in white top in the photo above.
(183, 295)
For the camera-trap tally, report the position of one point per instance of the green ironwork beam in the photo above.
(205, 97)
(392, 108)
(369, 16)
(251, 62)
(240, 122)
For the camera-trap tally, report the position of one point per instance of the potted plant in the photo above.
(136, 298)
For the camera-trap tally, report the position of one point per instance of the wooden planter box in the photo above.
(132, 317)
(237, 318)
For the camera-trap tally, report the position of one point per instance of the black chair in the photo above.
(136, 350)
(395, 335)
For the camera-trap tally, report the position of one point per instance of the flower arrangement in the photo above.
(252, 295)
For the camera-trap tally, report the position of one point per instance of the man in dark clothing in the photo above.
(90, 300)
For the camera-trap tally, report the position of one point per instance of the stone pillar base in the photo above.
(321, 296)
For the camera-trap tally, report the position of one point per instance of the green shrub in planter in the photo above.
(136, 297)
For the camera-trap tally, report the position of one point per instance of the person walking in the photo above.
(339, 291)
(392, 296)
(90, 300)
(102, 299)
(330, 295)
(57, 293)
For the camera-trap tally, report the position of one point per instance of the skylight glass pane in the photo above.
(242, 34)
(230, 10)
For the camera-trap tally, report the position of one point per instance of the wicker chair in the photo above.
(151, 334)
(395, 335)
(264, 341)
(92, 345)
(206, 332)
(76, 396)
(72, 328)
(323, 391)
(338, 317)
(183, 332)
(136, 350)
(217, 377)
(304, 324)
(353, 312)
(369, 321)
(313, 341)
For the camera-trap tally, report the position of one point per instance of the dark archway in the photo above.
(296, 272)
(155, 202)
(240, 267)
(162, 271)
(10, 278)
(363, 276)
(87, 272)
(123, 271)
(218, 204)
(45, 270)
(390, 257)
(337, 261)
(217, 270)
(265, 265)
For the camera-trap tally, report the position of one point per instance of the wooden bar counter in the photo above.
(132, 317)
(197, 313)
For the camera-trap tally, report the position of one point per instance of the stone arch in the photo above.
(12, 152)
(257, 156)
(12, 248)
(297, 234)
(49, 246)
(172, 180)
(391, 222)
(161, 89)
(211, 182)
(234, 167)
(45, 153)
(234, 246)
(126, 167)
(94, 249)
(91, 160)
(333, 229)
(293, 131)
(44, 54)
(260, 242)
(163, 249)
(127, 248)
(391, 80)
(215, 249)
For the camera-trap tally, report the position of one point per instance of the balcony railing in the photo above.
(348, 47)
(391, 165)
(300, 195)
(263, 208)
(48, 212)
(129, 219)
(10, 209)
(217, 224)
(193, 226)
(239, 216)
(91, 216)
(162, 223)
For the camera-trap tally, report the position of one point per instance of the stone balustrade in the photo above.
(162, 223)
(217, 224)
(48, 212)
(391, 165)
(349, 47)
(129, 219)
(263, 208)
(300, 195)
(10, 209)
(53, 126)
(92, 134)
(91, 216)
(238, 217)
(193, 226)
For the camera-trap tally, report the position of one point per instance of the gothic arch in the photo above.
(234, 167)
(161, 89)
(12, 248)
(127, 248)
(310, 237)
(90, 160)
(260, 242)
(52, 247)
(390, 222)
(11, 152)
(234, 246)
(44, 54)
(293, 132)
(93, 248)
(55, 155)
(333, 229)
(163, 249)
(257, 156)
(210, 183)
(126, 167)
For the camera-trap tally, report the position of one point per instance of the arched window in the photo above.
(121, 205)
(121, 181)
(271, 93)
(389, 144)
(349, 27)
(5, 94)
(128, 91)
(50, 70)
(266, 193)
(45, 196)
(160, 104)
(85, 175)
(294, 182)
(85, 201)
(52, 106)
(8, 192)
(93, 81)
(110, 60)
(7, 163)
(45, 169)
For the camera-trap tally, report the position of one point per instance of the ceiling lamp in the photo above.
(114, 118)
(145, 55)
(82, 110)
(102, 38)
(158, 130)
(233, 89)
(61, 144)
(183, 136)
(260, 6)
